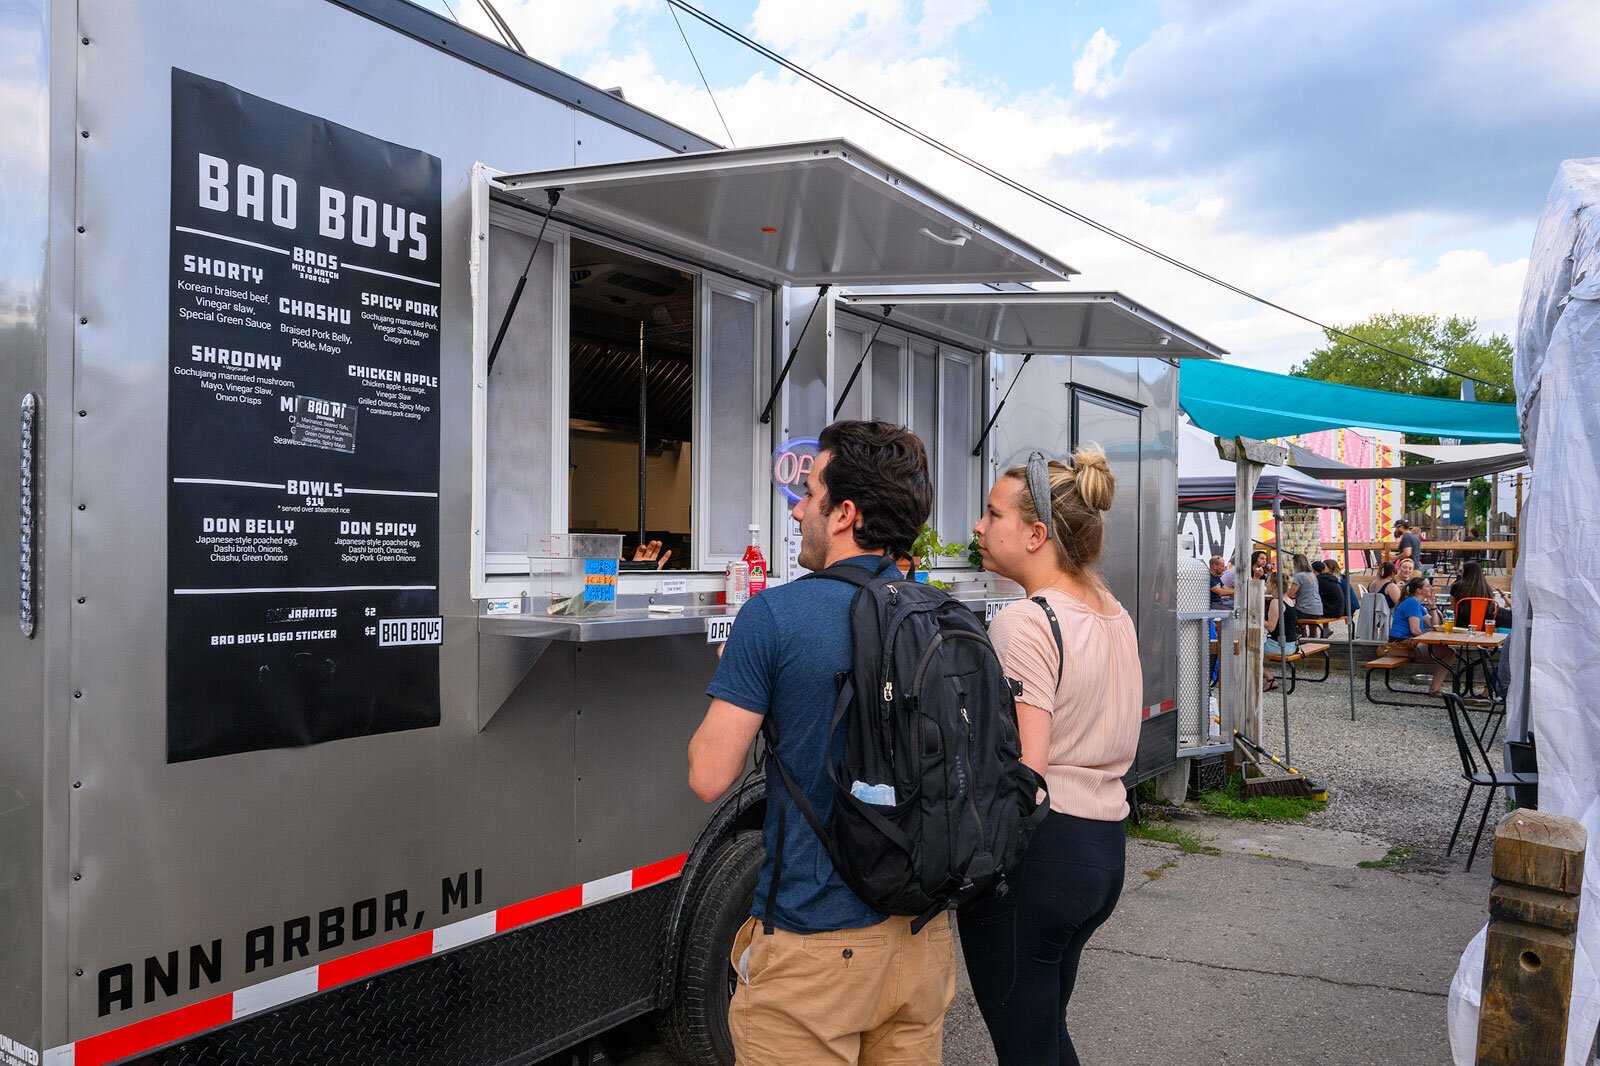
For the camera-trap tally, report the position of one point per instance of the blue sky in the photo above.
(1342, 158)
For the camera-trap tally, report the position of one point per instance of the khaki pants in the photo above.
(874, 996)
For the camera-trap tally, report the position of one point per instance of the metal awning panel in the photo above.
(794, 214)
(1044, 323)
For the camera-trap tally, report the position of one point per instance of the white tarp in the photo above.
(1458, 453)
(1556, 671)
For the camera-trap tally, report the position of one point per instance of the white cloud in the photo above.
(1340, 266)
(1092, 72)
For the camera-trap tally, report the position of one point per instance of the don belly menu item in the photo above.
(303, 429)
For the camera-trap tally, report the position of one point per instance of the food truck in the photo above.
(334, 339)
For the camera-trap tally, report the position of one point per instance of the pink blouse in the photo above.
(1094, 715)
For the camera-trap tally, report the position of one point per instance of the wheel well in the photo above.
(743, 810)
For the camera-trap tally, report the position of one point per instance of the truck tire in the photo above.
(694, 1028)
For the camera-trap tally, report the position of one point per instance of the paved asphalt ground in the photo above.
(1279, 948)
(1238, 957)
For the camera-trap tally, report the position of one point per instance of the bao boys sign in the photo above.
(303, 429)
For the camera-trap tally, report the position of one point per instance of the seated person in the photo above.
(1347, 595)
(1412, 619)
(1474, 585)
(1222, 583)
(1393, 590)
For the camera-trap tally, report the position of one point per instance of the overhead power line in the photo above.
(1033, 194)
(501, 26)
(702, 73)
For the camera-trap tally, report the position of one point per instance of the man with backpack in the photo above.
(824, 975)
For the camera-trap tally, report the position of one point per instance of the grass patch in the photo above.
(1396, 857)
(1226, 802)
(1167, 833)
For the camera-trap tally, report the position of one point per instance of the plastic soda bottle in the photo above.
(756, 561)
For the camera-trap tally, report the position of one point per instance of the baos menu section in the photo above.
(303, 429)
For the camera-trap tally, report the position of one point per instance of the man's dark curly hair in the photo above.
(883, 468)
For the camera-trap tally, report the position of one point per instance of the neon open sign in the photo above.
(791, 462)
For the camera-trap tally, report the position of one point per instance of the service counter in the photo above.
(633, 619)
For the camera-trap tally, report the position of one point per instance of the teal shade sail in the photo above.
(1235, 401)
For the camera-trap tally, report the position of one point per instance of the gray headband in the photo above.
(1039, 487)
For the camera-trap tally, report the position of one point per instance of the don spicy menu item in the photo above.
(303, 429)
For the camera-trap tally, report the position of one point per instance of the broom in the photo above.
(1291, 783)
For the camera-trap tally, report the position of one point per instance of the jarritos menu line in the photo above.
(303, 429)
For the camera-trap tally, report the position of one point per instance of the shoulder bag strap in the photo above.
(1055, 630)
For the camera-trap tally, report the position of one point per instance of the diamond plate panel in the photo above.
(513, 999)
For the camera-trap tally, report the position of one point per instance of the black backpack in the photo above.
(928, 712)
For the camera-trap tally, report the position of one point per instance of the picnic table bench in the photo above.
(1303, 650)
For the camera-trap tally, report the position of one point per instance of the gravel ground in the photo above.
(1393, 773)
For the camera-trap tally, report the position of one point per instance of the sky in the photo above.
(1341, 159)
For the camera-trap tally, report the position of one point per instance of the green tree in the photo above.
(1451, 342)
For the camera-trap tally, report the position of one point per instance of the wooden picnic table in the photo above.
(1465, 638)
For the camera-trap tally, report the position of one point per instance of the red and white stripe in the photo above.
(144, 1036)
(1157, 708)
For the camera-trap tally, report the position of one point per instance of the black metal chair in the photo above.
(1476, 769)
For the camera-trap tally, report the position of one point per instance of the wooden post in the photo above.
(1249, 457)
(1532, 941)
(1517, 537)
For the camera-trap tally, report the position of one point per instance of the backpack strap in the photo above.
(769, 730)
(1055, 630)
(859, 576)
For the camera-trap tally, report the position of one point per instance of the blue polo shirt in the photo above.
(788, 645)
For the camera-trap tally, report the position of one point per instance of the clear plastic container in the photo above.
(573, 575)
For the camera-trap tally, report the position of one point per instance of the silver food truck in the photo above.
(328, 331)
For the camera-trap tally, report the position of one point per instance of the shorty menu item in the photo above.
(303, 429)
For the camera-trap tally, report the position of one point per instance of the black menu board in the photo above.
(302, 429)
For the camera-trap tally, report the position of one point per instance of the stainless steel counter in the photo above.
(625, 624)
(632, 622)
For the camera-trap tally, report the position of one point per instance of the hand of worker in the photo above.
(650, 551)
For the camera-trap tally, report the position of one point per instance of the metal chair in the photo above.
(1476, 770)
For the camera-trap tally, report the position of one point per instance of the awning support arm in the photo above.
(977, 448)
(554, 196)
(866, 350)
(777, 386)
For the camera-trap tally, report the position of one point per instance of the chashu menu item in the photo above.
(303, 429)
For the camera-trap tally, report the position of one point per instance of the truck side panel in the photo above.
(217, 874)
(24, 321)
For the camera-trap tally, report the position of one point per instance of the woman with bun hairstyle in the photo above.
(1074, 650)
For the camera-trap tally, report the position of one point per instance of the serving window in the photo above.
(622, 400)
(932, 388)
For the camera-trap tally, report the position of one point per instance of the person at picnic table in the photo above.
(1352, 604)
(1222, 583)
(1282, 589)
(1388, 583)
(1270, 644)
(1409, 544)
(1412, 619)
(1330, 593)
(1473, 585)
(1258, 565)
(1307, 598)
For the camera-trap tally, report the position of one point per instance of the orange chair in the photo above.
(1471, 612)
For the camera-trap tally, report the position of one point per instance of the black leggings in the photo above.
(1022, 949)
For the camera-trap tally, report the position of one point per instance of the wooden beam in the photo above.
(1532, 940)
(1254, 450)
